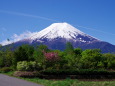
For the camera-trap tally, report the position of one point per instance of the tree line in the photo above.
(29, 58)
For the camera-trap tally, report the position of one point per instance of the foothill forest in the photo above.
(39, 61)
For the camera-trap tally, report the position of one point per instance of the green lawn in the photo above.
(68, 82)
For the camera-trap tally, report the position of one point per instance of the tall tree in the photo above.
(38, 53)
(24, 53)
(109, 60)
(69, 47)
(91, 58)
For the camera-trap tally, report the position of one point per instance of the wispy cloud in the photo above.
(16, 37)
(95, 30)
(24, 35)
(49, 19)
(27, 15)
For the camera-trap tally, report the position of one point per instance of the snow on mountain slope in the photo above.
(55, 30)
(62, 30)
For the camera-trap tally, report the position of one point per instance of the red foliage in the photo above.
(51, 56)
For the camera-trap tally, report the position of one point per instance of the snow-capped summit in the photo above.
(62, 30)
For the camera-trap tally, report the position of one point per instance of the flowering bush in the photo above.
(22, 66)
(25, 74)
(28, 66)
(51, 56)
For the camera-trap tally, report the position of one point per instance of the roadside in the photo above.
(66, 82)
(6, 80)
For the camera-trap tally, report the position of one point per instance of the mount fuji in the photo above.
(58, 34)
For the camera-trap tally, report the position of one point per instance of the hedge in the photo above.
(77, 72)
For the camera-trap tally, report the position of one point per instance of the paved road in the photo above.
(12, 81)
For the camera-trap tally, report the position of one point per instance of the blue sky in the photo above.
(93, 17)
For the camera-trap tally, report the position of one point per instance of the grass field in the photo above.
(68, 82)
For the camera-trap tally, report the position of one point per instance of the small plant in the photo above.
(5, 69)
(26, 74)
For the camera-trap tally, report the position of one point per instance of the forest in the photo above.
(47, 61)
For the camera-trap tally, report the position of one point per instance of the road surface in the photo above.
(12, 81)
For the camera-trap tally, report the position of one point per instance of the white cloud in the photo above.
(5, 42)
(24, 35)
(16, 38)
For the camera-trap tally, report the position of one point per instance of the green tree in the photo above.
(109, 60)
(69, 48)
(2, 59)
(43, 47)
(38, 53)
(78, 51)
(69, 56)
(8, 58)
(24, 53)
(29, 51)
(91, 58)
(20, 54)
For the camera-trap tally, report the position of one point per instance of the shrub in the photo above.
(51, 56)
(22, 66)
(28, 66)
(5, 69)
(34, 66)
(76, 72)
(25, 74)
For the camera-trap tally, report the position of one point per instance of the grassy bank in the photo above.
(67, 82)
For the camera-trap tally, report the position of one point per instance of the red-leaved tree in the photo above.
(51, 56)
